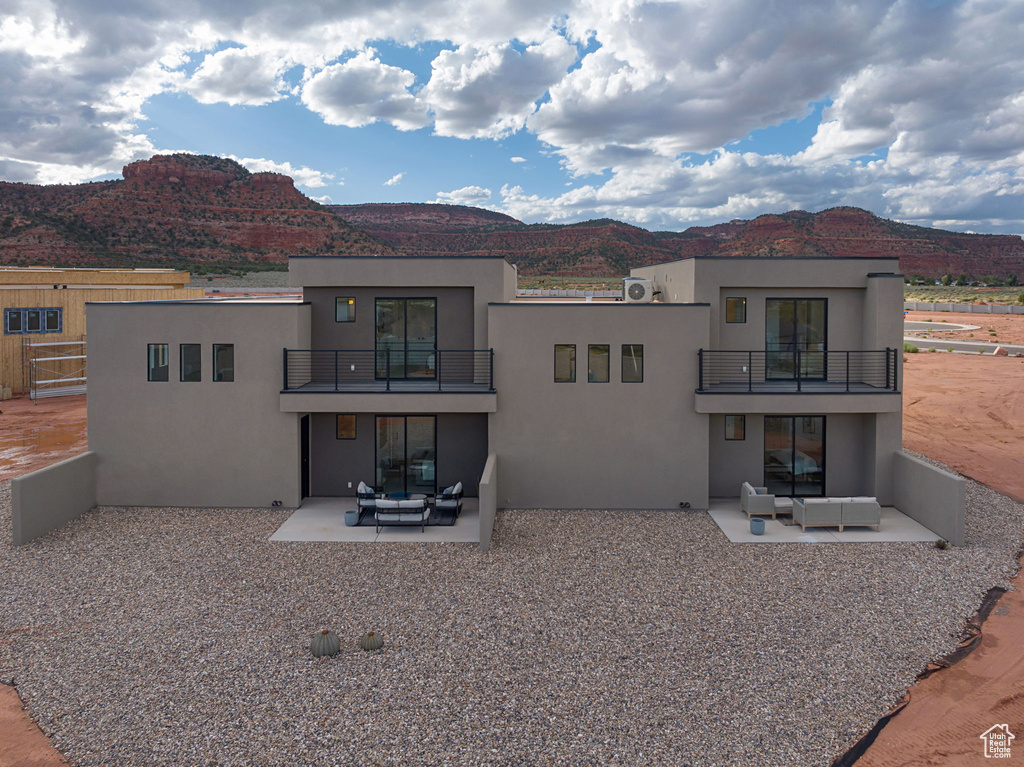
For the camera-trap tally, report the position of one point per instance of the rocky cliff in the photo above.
(180, 209)
(606, 247)
(192, 210)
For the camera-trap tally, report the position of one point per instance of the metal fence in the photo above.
(829, 371)
(388, 370)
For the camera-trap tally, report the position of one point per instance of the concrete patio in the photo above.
(323, 519)
(896, 527)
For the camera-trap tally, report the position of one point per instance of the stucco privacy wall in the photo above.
(931, 496)
(598, 445)
(492, 279)
(488, 500)
(51, 497)
(206, 443)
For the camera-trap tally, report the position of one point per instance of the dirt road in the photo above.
(967, 412)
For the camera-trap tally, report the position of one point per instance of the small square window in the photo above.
(158, 362)
(632, 363)
(346, 426)
(191, 359)
(565, 363)
(597, 363)
(13, 321)
(344, 309)
(735, 427)
(224, 362)
(735, 310)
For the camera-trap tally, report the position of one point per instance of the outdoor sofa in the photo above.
(401, 512)
(837, 512)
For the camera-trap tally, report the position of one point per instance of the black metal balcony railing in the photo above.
(357, 371)
(859, 372)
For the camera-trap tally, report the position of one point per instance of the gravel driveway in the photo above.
(180, 637)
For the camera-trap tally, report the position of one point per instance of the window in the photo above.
(632, 363)
(158, 362)
(736, 427)
(346, 428)
(597, 363)
(190, 358)
(344, 309)
(565, 363)
(223, 362)
(33, 320)
(735, 310)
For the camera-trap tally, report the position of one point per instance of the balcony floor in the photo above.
(788, 387)
(381, 387)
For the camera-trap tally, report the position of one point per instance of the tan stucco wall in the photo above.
(492, 279)
(193, 444)
(598, 445)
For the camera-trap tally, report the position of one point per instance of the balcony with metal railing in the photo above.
(369, 371)
(796, 371)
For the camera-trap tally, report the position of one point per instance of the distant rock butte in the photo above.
(607, 247)
(190, 210)
(181, 210)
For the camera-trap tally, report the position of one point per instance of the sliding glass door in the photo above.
(794, 455)
(406, 453)
(795, 325)
(406, 338)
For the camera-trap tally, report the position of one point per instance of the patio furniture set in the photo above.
(403, 508)
(860, 511)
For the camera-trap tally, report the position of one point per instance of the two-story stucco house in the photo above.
(408, 372)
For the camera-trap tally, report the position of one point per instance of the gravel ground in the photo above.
(180, 636)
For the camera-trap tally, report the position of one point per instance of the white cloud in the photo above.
(936, 90)
(467, 195)
(237, 76)
(323, 200)
(395, 180)
(303, 176)
(364, 90)
(489, 92)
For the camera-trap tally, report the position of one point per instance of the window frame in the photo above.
(743, 305)
(40, 314)
(198, 361)
(608, 363)
(149, 363)
(218, 376)
(351, 302)
(572, 363)
(337, 425)
(742, 428)
(622, 363)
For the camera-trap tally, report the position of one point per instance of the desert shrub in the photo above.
(949, 349)
(933, 349)
(909, 348)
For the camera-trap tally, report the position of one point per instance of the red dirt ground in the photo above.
(966, 411)
(1009, 328)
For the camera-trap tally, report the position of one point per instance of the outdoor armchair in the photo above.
(756, 500)
(450, 499)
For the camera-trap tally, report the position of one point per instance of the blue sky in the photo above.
(662, 114)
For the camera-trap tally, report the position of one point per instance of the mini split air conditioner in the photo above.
(637, 291)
